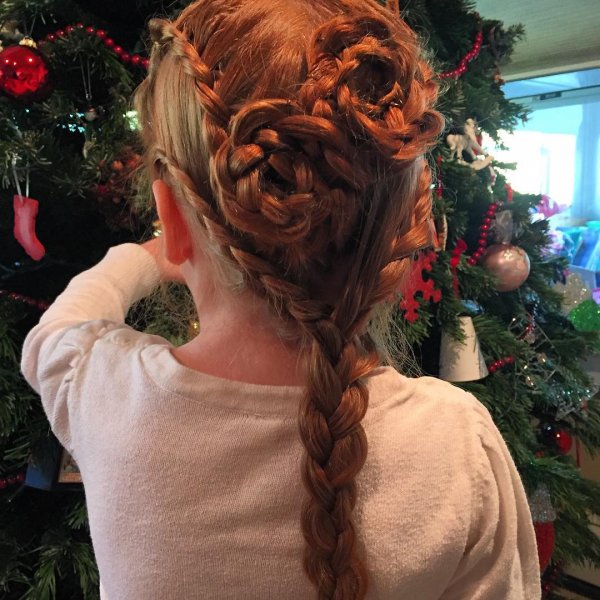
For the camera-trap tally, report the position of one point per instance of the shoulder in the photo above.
(115, 343)
(98, 344)
(428, 481)
(429, 428)
(425, 399)
(102, 335)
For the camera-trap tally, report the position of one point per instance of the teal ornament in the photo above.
(586, 316)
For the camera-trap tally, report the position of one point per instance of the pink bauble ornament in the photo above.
(510, 264)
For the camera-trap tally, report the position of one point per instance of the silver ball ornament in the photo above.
(91, 114)
(510, 264)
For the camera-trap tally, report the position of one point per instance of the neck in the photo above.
(238, 338)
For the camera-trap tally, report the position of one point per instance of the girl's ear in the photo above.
(177, 237)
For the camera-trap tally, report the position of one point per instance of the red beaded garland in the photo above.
(483, 234)
(467, 58)
(11, 480)
(125, 57)
(39, 304)
(501, 362)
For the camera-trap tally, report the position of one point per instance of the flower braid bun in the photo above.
(296, 131)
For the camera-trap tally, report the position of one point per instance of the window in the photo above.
(557, 150)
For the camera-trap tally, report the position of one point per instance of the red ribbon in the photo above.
(460, 247)
(509, 193)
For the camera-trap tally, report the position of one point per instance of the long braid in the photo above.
(295, 190)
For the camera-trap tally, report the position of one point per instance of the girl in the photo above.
(273, 456)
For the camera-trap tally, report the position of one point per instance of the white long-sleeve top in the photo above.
(193, 482)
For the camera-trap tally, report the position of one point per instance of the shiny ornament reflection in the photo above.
(23, 73)
(510, 264)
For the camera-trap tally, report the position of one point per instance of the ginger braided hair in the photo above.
(295, 130)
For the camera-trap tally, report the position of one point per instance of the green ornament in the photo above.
(586, 316)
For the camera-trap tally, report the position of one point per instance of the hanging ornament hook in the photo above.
(91, 114)
(27, 169)
(26, 210)
(13, 164)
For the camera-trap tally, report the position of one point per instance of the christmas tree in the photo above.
(69, 156)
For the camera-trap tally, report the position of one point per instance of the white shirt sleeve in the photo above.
(501, 559)
(95, 302)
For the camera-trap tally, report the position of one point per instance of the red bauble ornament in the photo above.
(564, 441)
(545, 537)
(23, 73)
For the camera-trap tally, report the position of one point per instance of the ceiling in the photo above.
(561, 35)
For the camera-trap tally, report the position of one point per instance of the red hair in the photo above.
(296, 131)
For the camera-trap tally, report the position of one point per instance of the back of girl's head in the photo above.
(294, 131)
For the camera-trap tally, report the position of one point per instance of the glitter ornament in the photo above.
(540, 505)
(23, 73)
(574, 292)
(543, 515)
(509, 264)
(545, 536)
(586, 316)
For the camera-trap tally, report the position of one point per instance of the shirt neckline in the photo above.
(240, 396)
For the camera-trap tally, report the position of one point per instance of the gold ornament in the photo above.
(27, 41)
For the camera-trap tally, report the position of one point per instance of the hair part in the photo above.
(293, 131)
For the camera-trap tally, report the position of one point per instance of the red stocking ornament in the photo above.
(26, 210)
(545, 537)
